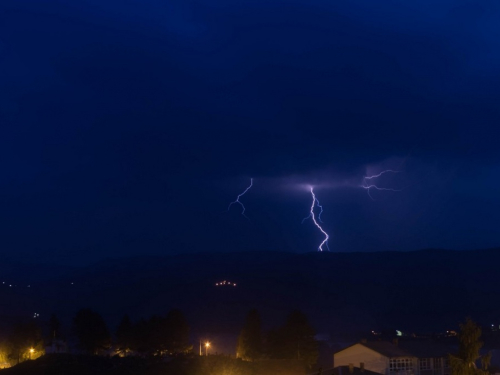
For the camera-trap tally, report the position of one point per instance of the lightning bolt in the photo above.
(368, 186)
(320, 212)
(238, 200)
(381, 173)
(315, 202)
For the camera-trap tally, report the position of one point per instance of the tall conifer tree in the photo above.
(465, 362)
(250, 339)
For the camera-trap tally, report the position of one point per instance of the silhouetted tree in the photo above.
(464, 363)
(124, 335)
(157, 337)
(54, 327)
(4, 352)
(177, 329)
(250, 339)
(25, 342)
(91, 331)
(140, 337)
(295, 340)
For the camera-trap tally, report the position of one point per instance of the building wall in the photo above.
(433, 366)
(358, 353)
(56, 346)
(403, 366)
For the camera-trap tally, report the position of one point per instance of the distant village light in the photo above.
(225, 282)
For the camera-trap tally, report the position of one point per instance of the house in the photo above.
(405, 358)
(56, 346)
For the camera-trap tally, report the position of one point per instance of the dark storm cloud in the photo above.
(305, 83)
(109, 110)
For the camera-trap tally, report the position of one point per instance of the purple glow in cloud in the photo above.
(238, 199)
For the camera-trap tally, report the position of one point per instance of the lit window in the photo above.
(425, 364)
(400, 365)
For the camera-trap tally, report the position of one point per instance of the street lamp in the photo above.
(31, 351)
(207, 345)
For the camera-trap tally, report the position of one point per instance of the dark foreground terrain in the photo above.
(67, 364)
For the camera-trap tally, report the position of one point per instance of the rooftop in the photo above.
(419, 349)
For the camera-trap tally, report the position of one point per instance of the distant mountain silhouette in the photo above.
(427, 290)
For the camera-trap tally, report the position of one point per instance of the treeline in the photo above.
(160, 335)
(157, 336)
(293, 340)
(25, 341)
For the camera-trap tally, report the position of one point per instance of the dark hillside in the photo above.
(341, 292)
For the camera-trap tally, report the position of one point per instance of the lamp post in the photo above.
(31, 351)
(207, 345)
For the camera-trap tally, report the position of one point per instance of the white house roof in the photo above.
(387, 349)
(419, 349)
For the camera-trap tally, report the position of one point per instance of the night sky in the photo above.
(127, 127)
